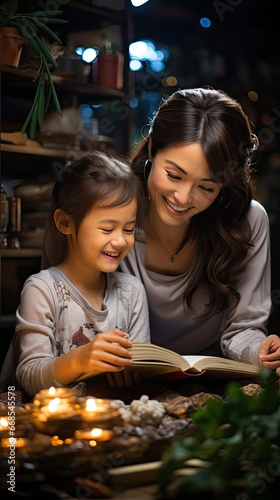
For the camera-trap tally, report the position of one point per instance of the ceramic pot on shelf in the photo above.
(110, 70)
(11, 42)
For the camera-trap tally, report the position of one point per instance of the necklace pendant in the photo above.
(172, 258)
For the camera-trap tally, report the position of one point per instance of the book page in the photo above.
(158, 354)
(224, 365)
(153, 354)
(192, 359)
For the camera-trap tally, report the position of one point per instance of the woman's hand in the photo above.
(269, 353)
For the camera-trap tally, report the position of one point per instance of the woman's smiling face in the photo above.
(180, 184)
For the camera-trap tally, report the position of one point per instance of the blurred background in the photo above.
(232, 45)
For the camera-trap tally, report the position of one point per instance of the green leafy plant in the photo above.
(238, 442)
(30, 25)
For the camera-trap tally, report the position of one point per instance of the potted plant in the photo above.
(32, 26)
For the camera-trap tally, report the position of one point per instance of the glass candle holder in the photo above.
(65, 394)
(4, 425)
(96, 434)
(56, 409)
(98, 411)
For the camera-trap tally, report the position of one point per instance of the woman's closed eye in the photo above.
(173, 176)
(208, 190)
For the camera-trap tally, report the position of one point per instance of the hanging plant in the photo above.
(31, 25)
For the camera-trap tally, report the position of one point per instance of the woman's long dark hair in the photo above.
(92, 177)
(222, 233)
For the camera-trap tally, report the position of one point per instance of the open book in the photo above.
(150, 360)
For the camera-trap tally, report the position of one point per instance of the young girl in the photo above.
(81, 315)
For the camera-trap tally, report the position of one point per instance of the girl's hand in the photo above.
(269, 353)
(108, 352)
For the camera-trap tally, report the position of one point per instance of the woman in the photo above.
(202, 251)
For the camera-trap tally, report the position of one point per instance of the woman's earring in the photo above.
(147, 164)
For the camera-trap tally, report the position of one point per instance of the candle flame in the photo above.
(96, 432)
(3, 422)
(53, 404)
(51, 391)
(90, 405)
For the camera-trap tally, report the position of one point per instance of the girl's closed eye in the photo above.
(108, 231)
(129, 231)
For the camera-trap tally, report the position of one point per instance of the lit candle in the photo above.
(67, 394)
(97, 405)
(4, 426)
(56, 409)
(15, 421)
(14, 442)
(95, 409)
(95, 434)
(53, 404)
(98, 411)
(90, 409)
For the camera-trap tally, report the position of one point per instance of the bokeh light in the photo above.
(205, 22)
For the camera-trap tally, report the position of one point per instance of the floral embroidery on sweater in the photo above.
(63, 294)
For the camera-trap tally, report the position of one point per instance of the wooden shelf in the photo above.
(17, 72)
(16, 78)
(39, 151)
(92, 91)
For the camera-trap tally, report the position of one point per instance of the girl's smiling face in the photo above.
(180, 184)
(105, 236)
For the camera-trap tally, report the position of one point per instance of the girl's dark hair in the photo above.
(222, 233)
(92, 177)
